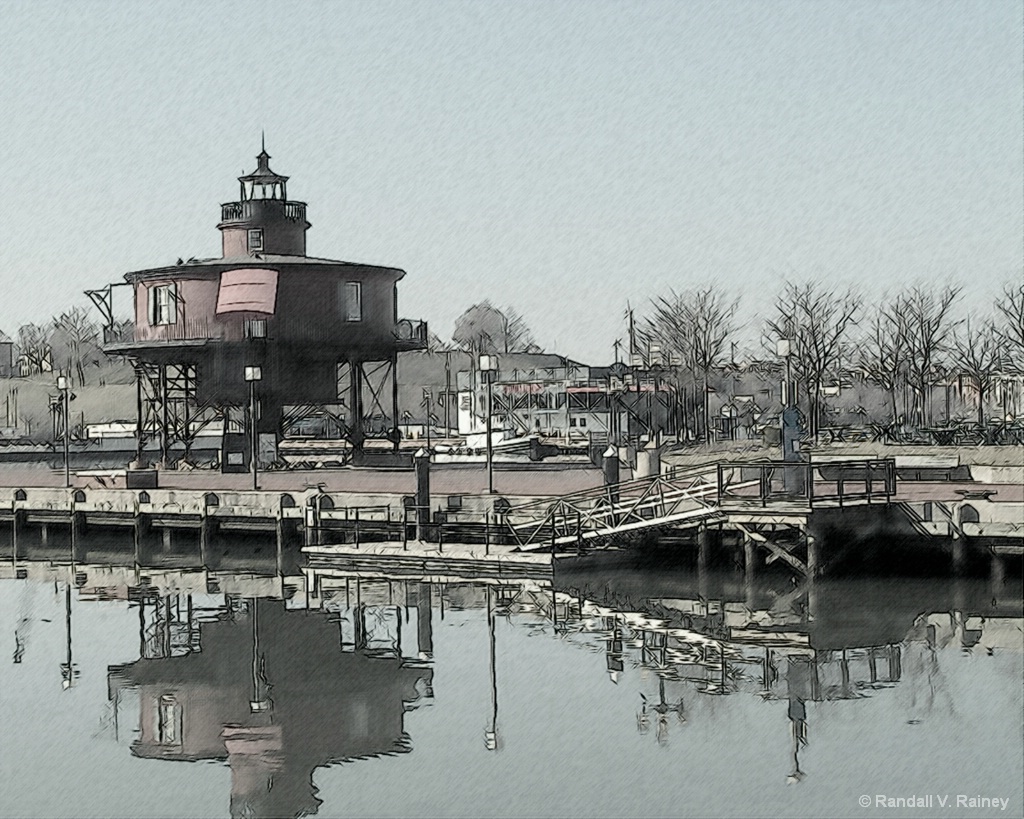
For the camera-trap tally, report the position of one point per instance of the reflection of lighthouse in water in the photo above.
(272, 693)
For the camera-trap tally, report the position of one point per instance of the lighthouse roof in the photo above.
(263, 175)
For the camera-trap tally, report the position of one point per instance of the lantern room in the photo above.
(263, 220)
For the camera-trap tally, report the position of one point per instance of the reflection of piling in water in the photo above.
(424, 622)
(997, 576)
(797, 713)
(613, 650)
(704, 545)
(801, 685)
(260, 701)
(67, 668)
(661, 710)
(491, 734)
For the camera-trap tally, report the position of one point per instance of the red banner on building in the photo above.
(247, 290)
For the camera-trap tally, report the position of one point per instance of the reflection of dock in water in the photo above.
(278, 676)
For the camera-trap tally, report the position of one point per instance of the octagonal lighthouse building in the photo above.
(306, 336)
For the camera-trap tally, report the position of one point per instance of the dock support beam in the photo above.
(205, 536)
(958, 555)
(813, 566)
(703, 547)
(280, 544)
(397, 436)
(78, 551)
(359, 626)
(140, 531)
(997, 576)
(748, 571)
(356, 433)
(17, 520)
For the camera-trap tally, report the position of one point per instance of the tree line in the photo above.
(70, 343)
(906, 344)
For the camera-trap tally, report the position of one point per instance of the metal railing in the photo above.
(238, 211)
(636, 505)
(867, 479)
(411, 331)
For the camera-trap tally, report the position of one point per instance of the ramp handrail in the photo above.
(631, 505)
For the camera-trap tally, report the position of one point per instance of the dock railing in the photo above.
(825, 483)
(604, 511)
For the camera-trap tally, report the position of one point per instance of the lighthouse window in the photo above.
(255, 240)
(163, 304)
(352, 301)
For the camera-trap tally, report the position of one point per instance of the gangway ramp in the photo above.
(624, 509)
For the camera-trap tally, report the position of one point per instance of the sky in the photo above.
(564, 158)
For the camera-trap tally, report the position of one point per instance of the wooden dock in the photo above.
(421, 559)
(778, 512)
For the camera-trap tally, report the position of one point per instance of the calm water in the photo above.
(637, 692)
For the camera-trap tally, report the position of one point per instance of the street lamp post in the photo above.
(784, 349)
(253, 375)
(426, 412)
(488, 366)
(65, 403)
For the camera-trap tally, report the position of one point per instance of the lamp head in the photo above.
(488, 363)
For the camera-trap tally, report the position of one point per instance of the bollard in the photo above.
(610, 469)
(421, 463)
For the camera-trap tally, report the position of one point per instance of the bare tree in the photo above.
(1010, 305)
(76, 336)
(927, 326)
(694, 326)
(815, 321)
(977, 354)
(518, 338)
(34, 347)
(883, 354)
(436, 344)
